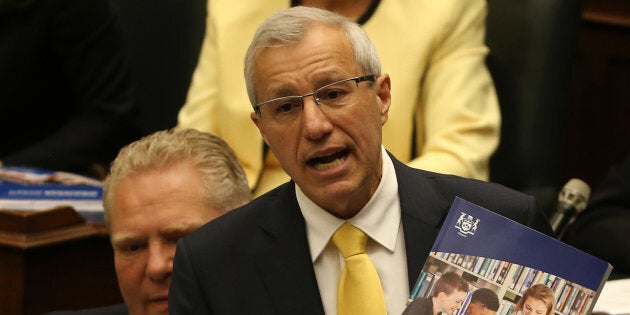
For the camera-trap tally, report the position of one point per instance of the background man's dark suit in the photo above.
(66, 94)
(118, 309)
(256, 259)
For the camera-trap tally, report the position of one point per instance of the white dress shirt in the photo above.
(380, 219)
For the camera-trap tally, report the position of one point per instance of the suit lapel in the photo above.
(285, 264)
(286, 257)
(423, 209)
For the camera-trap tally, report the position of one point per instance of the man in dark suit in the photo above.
(159, 189)
(66, 92)
(601, 229)
(320, 101)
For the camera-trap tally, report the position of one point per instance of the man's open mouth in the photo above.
(329, 161)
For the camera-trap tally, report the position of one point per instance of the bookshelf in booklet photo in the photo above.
(490, 251)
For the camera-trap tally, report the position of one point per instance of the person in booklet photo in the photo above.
(448, 294)
(483, 301)
(537, 300)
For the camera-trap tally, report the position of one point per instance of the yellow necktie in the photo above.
(360, 289)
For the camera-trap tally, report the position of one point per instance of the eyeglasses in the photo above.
(329, 98)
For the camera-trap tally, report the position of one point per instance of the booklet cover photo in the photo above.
(500, 265)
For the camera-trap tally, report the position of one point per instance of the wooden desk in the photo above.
(52, 260)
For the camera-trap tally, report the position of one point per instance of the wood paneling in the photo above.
(52, 260)
(599, 124)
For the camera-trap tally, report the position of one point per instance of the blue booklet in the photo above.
(23, 188)
(507, 258)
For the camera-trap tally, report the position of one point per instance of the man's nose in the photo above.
(315, 122)
(160, 263)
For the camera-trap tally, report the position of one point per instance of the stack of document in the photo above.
(615, 298)
(36, 189)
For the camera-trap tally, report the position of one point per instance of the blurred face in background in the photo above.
(150, 211)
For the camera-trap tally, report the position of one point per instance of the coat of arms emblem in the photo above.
(467, 224)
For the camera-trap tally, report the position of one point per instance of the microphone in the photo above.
(572, 200)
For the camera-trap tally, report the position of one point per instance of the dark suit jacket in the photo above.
(66, 97)
(606, 220)
(118, 309)
(256, 259)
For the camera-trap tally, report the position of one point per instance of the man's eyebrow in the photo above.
(286, 89)
(185, 227)
(119, 238)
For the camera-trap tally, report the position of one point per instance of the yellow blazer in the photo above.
(444, 115)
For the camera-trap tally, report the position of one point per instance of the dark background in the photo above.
(599, 125)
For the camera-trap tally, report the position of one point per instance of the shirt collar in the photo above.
(379, 218)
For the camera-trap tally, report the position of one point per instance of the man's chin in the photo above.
(151, 308)
(158, 308)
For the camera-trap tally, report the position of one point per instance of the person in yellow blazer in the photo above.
(444, 115)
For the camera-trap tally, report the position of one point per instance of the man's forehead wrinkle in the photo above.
(323, 63)
(166, 229)
(281, 90)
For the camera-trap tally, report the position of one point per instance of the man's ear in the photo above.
(383, 93)
(258, 121)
